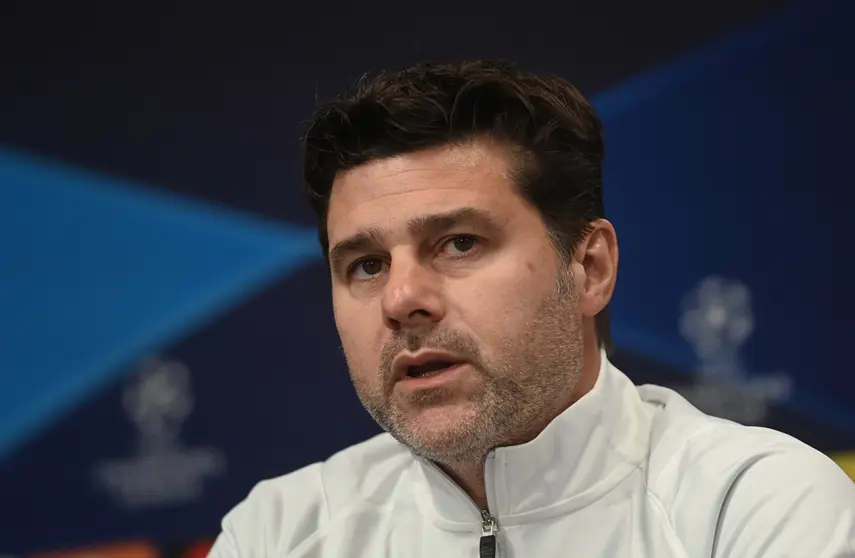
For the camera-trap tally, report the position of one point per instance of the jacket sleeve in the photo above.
(224, 546)
(795, 502)
(275, 518)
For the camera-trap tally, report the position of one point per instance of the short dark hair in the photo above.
(544, 121)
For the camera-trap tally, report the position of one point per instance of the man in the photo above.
(461, 212)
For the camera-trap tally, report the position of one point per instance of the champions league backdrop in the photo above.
(166, 334)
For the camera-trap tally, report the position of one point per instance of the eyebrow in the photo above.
(420, 225)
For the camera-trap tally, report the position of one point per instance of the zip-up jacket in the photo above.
(626, 471)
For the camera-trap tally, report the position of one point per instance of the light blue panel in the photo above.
(95, 271)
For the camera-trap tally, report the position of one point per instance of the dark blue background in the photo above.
(729, 140)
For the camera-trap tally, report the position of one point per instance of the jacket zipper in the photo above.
(487, 547)
(489, 528)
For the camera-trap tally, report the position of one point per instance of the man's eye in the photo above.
(461, 244)
(367, 268)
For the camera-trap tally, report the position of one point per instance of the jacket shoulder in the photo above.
(686, 443)
(282, 513)
(704, 472)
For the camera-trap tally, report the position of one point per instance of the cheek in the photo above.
(499, 307)
(356, 332)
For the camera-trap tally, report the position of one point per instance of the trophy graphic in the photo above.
(162, 471)
(717, 320)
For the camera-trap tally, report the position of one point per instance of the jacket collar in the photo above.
(582, 454)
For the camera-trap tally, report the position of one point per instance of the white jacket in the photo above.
(625, 472)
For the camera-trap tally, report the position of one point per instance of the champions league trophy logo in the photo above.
(158, 402)
(717, 321)
(163, 471)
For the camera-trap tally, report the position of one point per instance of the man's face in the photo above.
(437, 259)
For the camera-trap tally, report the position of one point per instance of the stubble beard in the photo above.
(530, 383)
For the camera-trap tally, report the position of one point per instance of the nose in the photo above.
(412, 296)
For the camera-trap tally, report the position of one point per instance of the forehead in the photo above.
(386, 192)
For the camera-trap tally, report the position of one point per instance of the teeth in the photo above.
(428, 369)
(427, 373)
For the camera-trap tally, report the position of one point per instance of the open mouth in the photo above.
(431, 368)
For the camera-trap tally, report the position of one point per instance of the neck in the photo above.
(469, 476)
(469, 473)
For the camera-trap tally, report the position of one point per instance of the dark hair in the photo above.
(545, 122)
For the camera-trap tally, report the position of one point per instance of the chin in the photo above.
(442, 431)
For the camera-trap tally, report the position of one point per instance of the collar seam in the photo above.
(557, 508)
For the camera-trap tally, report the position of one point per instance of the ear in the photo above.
(595, 263)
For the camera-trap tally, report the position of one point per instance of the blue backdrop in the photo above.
(164, 346)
